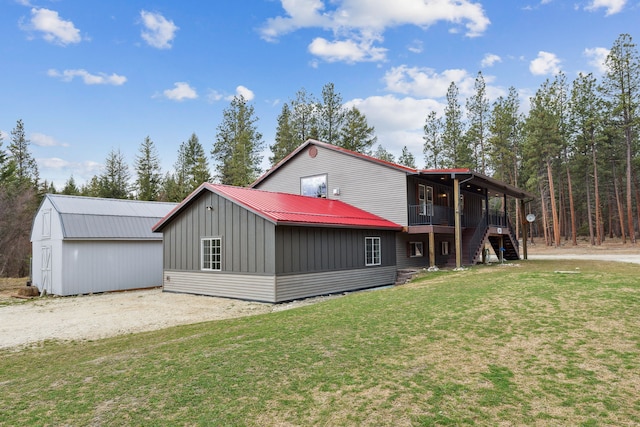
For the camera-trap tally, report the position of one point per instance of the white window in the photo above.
(314, 186)
(425, 200)
(416, 249)
(46, 223)
(372, 251)
(445, 248)
(212, 253)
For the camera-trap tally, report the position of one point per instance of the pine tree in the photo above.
(26, 169)
(332, 115)
(304, 117)
(148, 175)
(238, 144)
(190, 170)
(478, 117)
(621, 87)
(285, 140)
(356, 134)
(456, 151)
(114, 181)
(433, 141)
(406, 158)
(504, 145)
(382, 154)
(70, 188)
(586, 124)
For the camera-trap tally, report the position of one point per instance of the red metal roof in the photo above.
(292, 209)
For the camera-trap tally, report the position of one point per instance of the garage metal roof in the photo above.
(89, 218)
(291, 209)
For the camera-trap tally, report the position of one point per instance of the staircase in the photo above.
(510, 247)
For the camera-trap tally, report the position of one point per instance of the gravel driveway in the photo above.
(105, 315)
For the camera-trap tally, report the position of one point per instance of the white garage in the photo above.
(84, 245)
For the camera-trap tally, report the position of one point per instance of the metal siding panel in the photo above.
(90, 267)
(386, 198)
(242, 286)
(251, 242)
(297, 286)
(269, 244)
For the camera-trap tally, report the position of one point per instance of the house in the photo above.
(257, 245)
(84, 245)
(448, 216)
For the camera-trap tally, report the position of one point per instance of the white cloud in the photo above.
(416, 46)
(397, 121)
(53, 163)
(597, 58)
(358, 24)
(180, 92)
(158, 32)
(546, 63)
(612, 6)
(244, 91)
(214, 95)
(42, 140)
(426, 82)
(489, 60)
(348, 51)
(88, 78)
(54, 29)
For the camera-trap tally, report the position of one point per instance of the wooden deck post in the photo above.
(523, 221)
(432, 249)
(457, 228)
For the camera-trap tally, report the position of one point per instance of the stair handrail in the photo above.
(478, 237)
(512, 233)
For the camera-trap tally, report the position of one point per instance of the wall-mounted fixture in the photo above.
(209, 208)
(336, 191)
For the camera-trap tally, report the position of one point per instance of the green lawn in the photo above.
(540, 343)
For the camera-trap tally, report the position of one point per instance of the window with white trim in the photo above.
(416, 249)
(211, 253)
(372, 251)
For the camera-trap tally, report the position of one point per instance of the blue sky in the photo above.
(87, 77)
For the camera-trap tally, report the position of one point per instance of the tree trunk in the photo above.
(597, 200)
(589, 213)
(545, 222)
(632, 231)
(554, 210)
(574, 234)
(619, 205)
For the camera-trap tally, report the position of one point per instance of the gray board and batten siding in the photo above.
(374, 187)
(262, 261)
(247, 238)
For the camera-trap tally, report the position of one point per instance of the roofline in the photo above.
(332, 147)
(487, 181)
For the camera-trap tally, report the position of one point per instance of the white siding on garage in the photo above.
(90, 267)
(221, 284)
(370, 186)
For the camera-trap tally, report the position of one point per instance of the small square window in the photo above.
(314, 186)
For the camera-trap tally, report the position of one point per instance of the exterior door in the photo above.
(46, 268)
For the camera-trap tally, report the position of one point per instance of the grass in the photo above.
(500, 345)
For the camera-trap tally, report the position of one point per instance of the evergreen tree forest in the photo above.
(577, 148)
